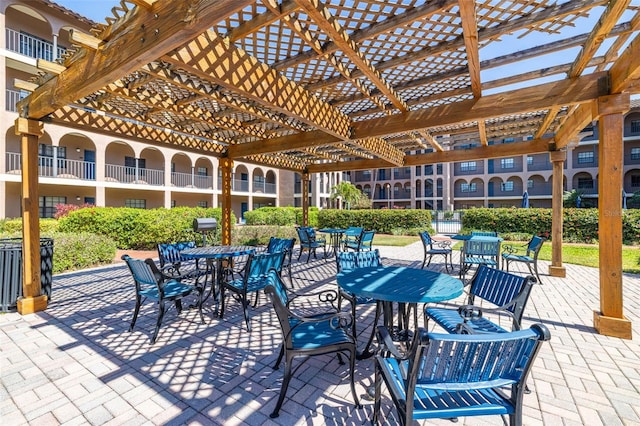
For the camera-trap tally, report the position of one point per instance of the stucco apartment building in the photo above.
(76, 166)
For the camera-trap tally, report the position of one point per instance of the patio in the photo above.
(75, 363)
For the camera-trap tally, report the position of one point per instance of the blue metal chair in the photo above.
(174, 265)
(306, 336)
(452, 375)
(351, 236)
(478, 252)
(152, 284)
(310, 242)
(508, 293)
(253, 280)
(442, 248)
(283, 245)
(363, 242)
(527, 254)
(347, 261)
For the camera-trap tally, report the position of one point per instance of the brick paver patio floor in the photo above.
(76, 363)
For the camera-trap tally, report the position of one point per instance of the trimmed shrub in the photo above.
(140, 229)
(252, 235)
(383, 221)
(579, 225)
(79, 251)
(14, 226)
(281, 216)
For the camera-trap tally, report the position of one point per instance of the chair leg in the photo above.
(377, 394)
(222, 297)
(285, 385)
(135, 312)
(280, 355)
(424, 261)
(352, 367)
(245, 306)
(178, 304)
(161, 309)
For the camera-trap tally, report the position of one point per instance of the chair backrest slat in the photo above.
(350, 260)
(277, 292)
(481, 248)
(144, 273)
(282, 245)
(534, 246)
(474, 361)
(171, 252)
(501, 288)
(259, 265)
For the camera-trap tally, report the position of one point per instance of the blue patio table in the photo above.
(219, 254)
(399, 284)
(468, 237)
(335, 234)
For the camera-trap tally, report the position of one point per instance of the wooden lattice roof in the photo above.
(343, 84)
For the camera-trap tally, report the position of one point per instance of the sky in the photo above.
(95, 10)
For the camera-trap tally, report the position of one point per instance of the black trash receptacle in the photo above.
(11, 270)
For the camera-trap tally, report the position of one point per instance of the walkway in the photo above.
(76, 363)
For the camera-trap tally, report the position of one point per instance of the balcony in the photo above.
(31, 46)
(189, 180)
(135, 175)
(11, 99)
(54, 167)
(264, 187)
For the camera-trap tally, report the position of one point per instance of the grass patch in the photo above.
(588, 255)
(394, 240)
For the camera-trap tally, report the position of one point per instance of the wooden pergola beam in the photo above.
(565, 92)
(478, 153)
(467, 10)
(212, 58)
(611, 15)
(332, 28)
(430, 140)
(173, 22)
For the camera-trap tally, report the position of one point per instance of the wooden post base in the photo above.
(558, 271)
(614, 327)
(29, 305)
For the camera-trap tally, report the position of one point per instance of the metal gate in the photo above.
(447, 222)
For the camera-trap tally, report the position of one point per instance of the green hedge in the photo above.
(281, 216)
(14, 226)
(259, 234)
(80, 251)
(579, 225)
(383, 221)
(140, 229)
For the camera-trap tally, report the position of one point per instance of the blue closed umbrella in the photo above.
(624, 200)
(525, 200)
(578, 201)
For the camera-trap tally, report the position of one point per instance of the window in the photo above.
(635, 181)
(468, 187)
(509, 140)
(135, 203)
(635, 126)
(585, 157)
(45, 154)
(201, 171)
(130, 165)
(468, 166)
(635, 153)
(530, 183)
(529, 160)
(47, 205)
(418, 170)
(439, 169)
(203, 204)
(506, 163)
(506, 186)
(585, 183)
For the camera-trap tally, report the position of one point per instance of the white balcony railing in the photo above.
(190, 180)
(12, 98)
(31, 46)
(125, 174)
(54, 167)
(264, 187)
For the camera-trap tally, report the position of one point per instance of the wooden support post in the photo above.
(557, 159)
(610, 319)
(226, 166)
(306, 178)
(32, 299)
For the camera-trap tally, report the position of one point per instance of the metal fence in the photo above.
(446, 222)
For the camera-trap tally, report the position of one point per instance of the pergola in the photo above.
(314, 86)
